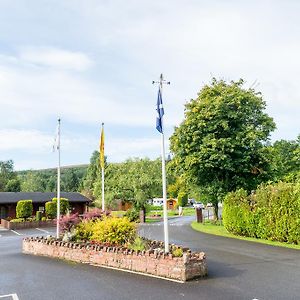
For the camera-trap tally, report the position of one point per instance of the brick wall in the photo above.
(154, 262)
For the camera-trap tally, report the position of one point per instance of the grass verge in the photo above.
(221, 231)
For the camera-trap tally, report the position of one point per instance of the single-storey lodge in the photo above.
(8, 202)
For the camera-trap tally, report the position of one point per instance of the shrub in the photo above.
(38, 215)
(182, 199)
(132, 215)
(19, 220)
(273, 212)
(44, 219)
(67, 223)
(84, 230)
(50, 209)
(117, 231)
(177, 252)
(96, 213)
(24, 209)
(138, 244)
(64, 205)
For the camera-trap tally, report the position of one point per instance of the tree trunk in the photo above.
(216, 210)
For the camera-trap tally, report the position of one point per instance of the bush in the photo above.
(44, 219)
(17, 220)
(67, 223)
(273, 212)
(117, 231)
(24, 209)
(139, 244)
(50, 209)
(96, 213)
(38, 216)
(182, 199)
(132, 214)
(64, 205)
(84, 230)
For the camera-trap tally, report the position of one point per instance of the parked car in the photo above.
(198, 205)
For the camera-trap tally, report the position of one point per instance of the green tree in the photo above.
(220, 145)
(285, 158)
(6, 173)
(13, 185)
(134, 180)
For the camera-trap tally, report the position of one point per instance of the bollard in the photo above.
(142, 216)
(199, 215)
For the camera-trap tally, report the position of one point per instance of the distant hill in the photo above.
(81, 166)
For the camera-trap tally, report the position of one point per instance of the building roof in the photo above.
(38, 197)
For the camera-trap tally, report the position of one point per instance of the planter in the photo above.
(22, 225)
(152, 262)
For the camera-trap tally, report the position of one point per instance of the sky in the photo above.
(93, 61)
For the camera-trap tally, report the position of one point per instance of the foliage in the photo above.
(132, 214)
(138, 244)
(95, 213)
(13, 185)
(84, 230)
(6, 175)
(285, 158)
(50, 209)
(182, 199)
(135, 180)
(46, 180)
(38, 215)
(24, 209)
(117, 231)
(67, 223)
(177, 252)
(64, 205)
(273, 212)
(221, 144)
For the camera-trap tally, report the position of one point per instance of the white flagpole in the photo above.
(58, 181)
(163, 168)
(164, 181)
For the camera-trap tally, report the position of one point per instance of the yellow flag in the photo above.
(102, 148)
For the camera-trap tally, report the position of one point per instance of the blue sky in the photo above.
(93, 61)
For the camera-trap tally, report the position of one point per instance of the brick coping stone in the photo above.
(153, 262)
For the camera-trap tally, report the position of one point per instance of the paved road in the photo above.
(237, 270)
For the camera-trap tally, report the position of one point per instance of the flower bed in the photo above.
(26, 224)
(153, 261)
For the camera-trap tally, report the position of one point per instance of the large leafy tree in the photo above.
(285, 158)
(134, 180)
(6, 174)
(220, 145)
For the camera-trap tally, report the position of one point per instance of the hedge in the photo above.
(24, 209)
(51, 207)
(272, 212)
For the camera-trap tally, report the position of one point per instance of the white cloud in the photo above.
(28, 140)
(56, 58)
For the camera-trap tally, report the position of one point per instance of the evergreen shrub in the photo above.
(24, 209)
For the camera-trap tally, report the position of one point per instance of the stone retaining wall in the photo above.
(154, 262)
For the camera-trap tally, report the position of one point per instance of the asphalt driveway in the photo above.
(237, 270)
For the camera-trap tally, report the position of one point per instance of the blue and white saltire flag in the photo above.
(160, 112)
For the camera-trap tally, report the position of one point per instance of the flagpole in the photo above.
(102, 170)
(163, 168)
(58, 181)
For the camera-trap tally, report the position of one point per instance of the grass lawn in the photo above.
(221, 231)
